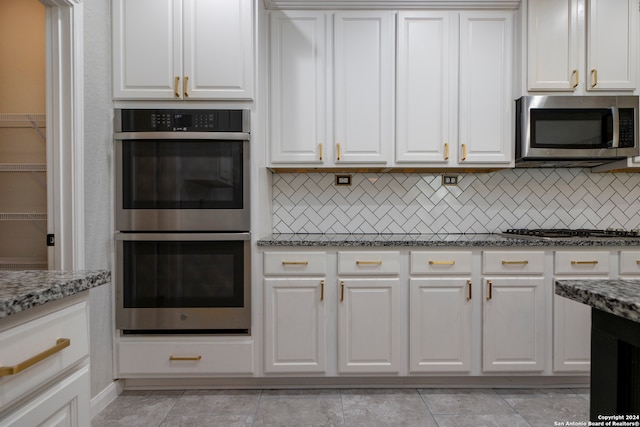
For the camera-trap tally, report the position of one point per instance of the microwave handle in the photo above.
(616, 127)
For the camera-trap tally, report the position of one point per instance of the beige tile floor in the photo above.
(347, 407)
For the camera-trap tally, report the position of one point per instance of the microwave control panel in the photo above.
(626, 137)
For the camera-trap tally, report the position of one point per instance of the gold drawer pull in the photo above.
(188, 359)
(12, 370)
(594, 78)
(468, 290)
(583, 262)
(185, 86)
(489, 290)
(431, 262)
(175, 86)
(505, 262)
(341, 291)
(295, 262)
(446, 151)
(320, 150)
(378, 262)
(464, 152)
(322, 290)
(576, 78)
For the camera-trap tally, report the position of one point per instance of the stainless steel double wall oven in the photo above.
(182, 221)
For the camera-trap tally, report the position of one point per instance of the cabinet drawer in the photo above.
(164, 358)
(294, 263)
(576, 262)
(630, 262)
(42, 336)
(513, 262)
(369, 263)
(440, 262)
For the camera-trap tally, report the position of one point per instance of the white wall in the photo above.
(98, 125)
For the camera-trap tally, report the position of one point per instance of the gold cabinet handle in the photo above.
(431, 262)
(185, 359)
(489, 290)
(464, 152)
(320, 150)
(338, 149)
(446, 151)
(295, 262)
(523, 262)
(360, 262)
(185, 86)
(12, 370)
(175, 86)
(594, 77)
(575, 78)
(468, 290)
(341, 291)
(322, 290)
(583, 262)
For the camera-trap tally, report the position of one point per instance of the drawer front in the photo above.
(295, 263)
(42, 336)
(630, 262)
(440, 262)
(513, 262)
(185, 358)
(576, 262)
(369, 263)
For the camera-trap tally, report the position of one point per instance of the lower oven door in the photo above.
(183, 282)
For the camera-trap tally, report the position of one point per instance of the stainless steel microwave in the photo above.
(575, 131)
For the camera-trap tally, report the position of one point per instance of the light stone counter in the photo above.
(436, 240)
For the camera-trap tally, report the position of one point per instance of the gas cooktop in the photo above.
(569, 233)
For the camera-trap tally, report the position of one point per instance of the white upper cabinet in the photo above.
(426, 47)
(331, 88)
(183, 49)
(485, 100)
(454, 99)
(559, 31)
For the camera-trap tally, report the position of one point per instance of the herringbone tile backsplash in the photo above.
(481, 203)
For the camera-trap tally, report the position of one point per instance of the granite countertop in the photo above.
(21, 290)
(618, 297)
(435, 240)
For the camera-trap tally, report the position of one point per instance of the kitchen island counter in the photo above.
(615, 343)
(436, 240)
(21, 290)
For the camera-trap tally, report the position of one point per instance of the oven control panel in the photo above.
(172, 120)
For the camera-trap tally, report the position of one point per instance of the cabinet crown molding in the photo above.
(392, 4)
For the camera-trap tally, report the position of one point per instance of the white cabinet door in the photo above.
(64, 404)
(485, 101)
(425, 48)
(295, 322)
(147, 48)
(331, 88)
(513, 325)
(571, 335)
(369, 326)
(552, 45)
(218, 49)
(364, 59)
(612, 44)
(297, 113)
(182, 49)
(440, 325)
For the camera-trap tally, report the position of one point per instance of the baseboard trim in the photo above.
(106, 396)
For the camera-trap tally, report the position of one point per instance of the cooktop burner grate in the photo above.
(566, 232)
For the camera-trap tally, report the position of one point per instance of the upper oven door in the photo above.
(181, 181)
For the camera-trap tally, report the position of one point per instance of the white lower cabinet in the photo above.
(572, 320)
(295, 337)
(369, 326)
(440, 311)
(44, 377)
(513, 315)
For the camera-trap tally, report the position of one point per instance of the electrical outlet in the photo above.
(449, 180)
(343, 179)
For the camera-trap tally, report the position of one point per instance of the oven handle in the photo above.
(616, 127)
(211, 136)
(211, 237)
